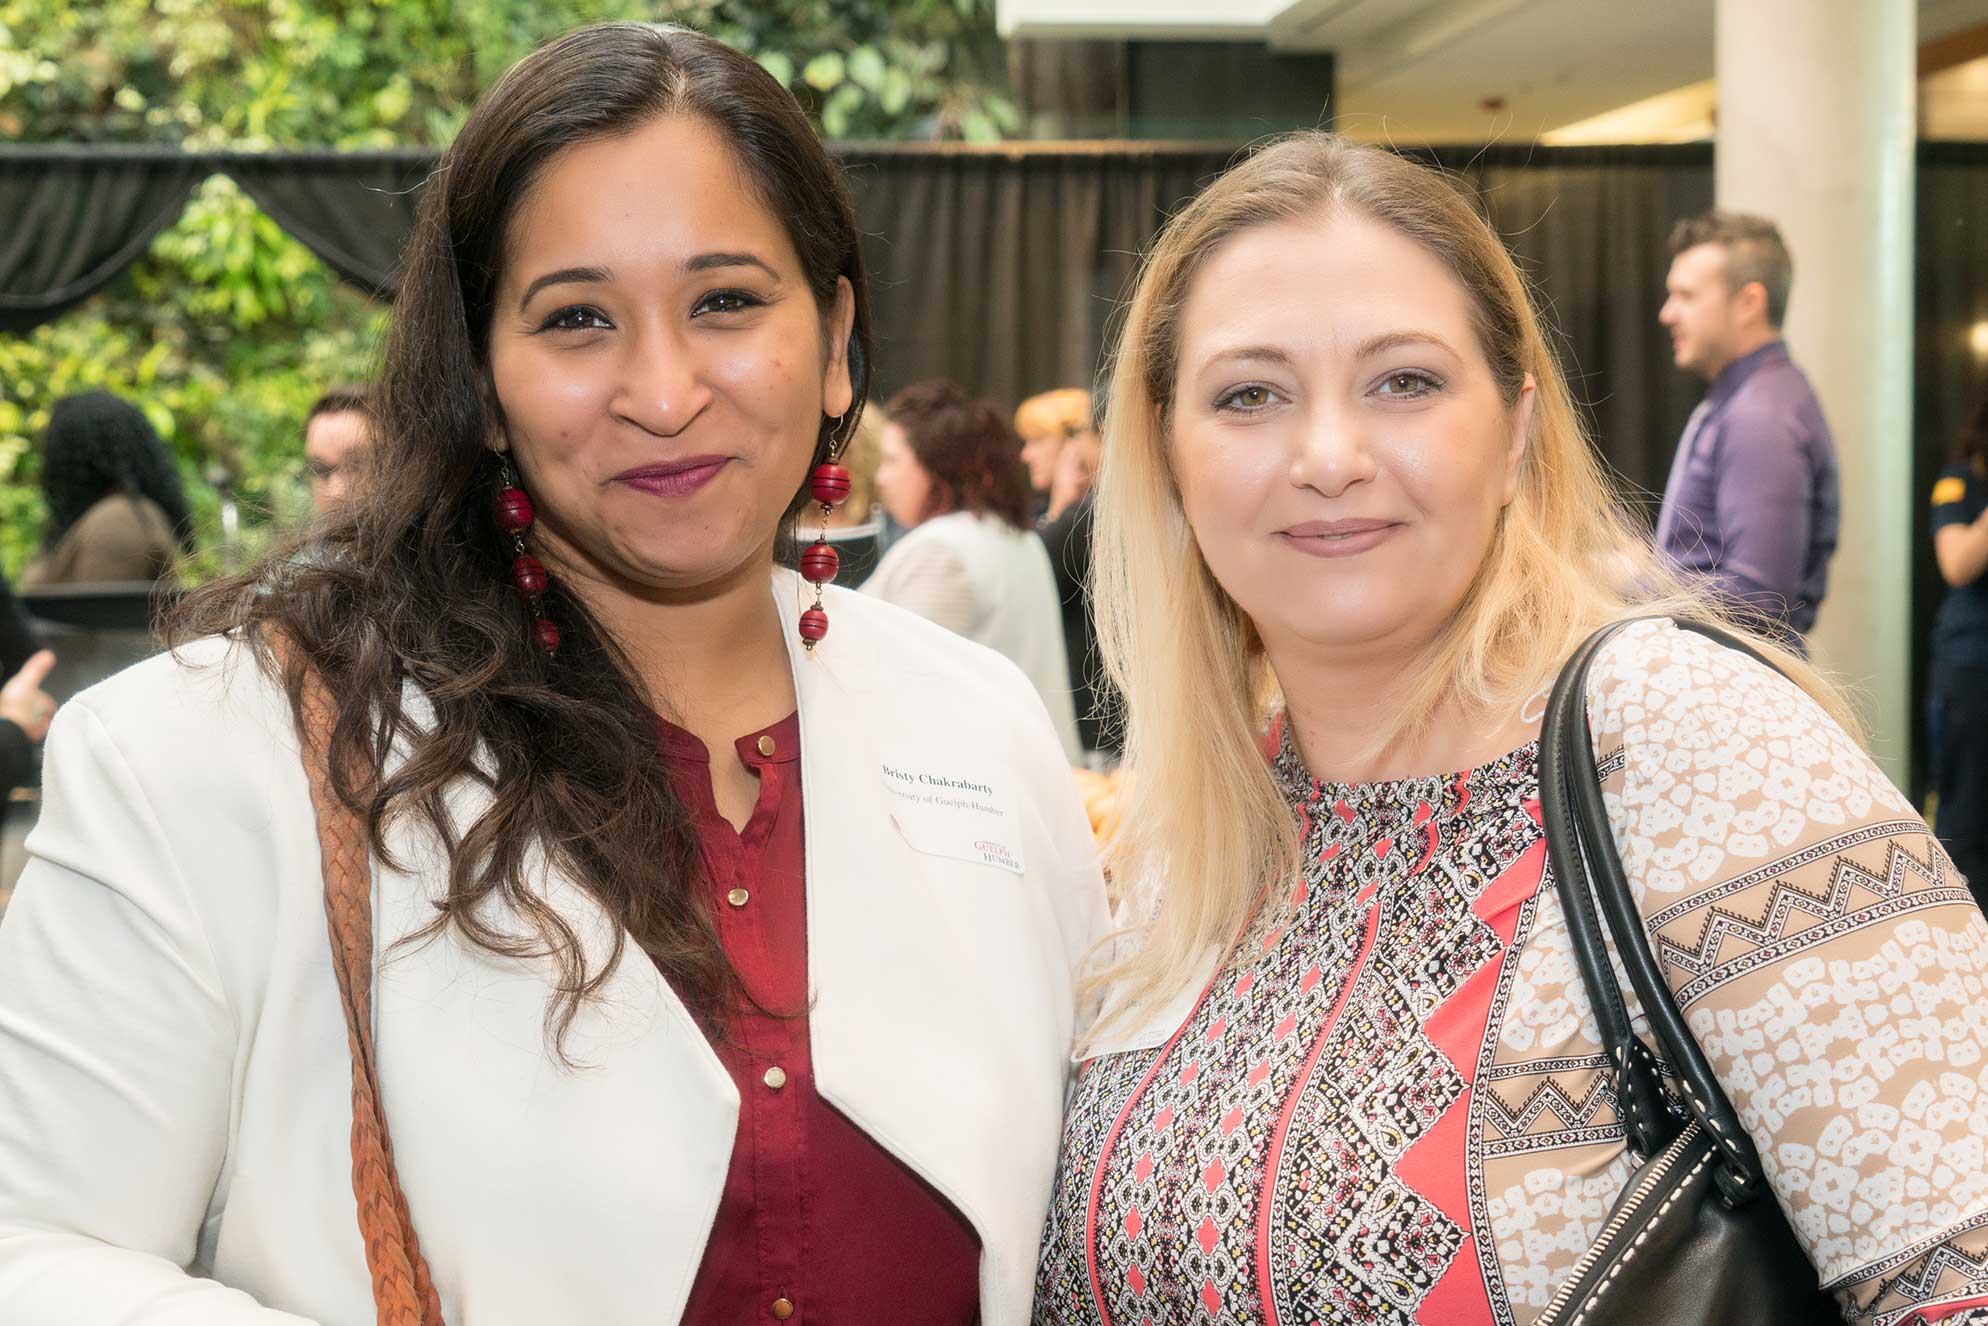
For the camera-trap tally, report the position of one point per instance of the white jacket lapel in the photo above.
(940, 1014)
(541, 1192)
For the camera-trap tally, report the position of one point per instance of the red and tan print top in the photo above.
(1392, 1107)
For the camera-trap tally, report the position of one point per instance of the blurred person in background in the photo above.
(1959, 691)
(116, 510)
(1751, 503)
(1060, 436)
(338, 437)
(25, 708)
(951, 474)
(1059, 446)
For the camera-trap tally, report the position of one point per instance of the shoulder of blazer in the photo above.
(209, 692)
(202, 735)
(895, 647)
(895, 659)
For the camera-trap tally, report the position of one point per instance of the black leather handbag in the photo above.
(1696, 1238)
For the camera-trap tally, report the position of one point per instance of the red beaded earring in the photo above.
(829, 485)
(515, 516)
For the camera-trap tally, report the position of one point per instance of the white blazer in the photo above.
(174, 1079)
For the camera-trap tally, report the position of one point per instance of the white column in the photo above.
(1817, 129)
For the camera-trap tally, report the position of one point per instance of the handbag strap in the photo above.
(1647, 1112)
(403, 1290)
(1594, 887)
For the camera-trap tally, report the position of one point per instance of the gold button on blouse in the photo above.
(776, 1077)
(737, 897)
(783, 1308)
(766, 748)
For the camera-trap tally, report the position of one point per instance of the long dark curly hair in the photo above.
(99, 445)
(968, 448)
(408, 585)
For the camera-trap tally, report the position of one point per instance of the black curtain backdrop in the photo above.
(1003, 270)
(1004, 267)
(1590, 228)
(354, 211)
(71, 219)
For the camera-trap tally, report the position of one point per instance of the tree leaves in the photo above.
(824, 72)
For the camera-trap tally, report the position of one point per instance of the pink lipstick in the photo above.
(1338, 538)
(676, 478)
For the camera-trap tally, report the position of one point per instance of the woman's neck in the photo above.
(1343, 707)
(712, 659)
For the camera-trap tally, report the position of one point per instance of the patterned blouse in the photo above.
(1393, 1108)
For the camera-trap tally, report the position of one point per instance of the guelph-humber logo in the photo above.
(996, 853)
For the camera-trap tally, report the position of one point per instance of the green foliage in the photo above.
(224, 334)
(227, 330)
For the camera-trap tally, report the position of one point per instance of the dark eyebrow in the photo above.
(565, 276)
(705, 262)
(1394, 340)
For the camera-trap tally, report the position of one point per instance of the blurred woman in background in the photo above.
(1059, 446)
(952, 475)
(116, 510)
(1060, 440)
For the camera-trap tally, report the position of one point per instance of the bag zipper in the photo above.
(1651, 1181)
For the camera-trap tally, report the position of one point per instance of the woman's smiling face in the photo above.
(661, 365)
(1342, 449)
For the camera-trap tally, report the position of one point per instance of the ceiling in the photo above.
(1456, 70)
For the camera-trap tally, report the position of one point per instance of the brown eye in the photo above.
(1407, 384)
(1246, 399)
(728, 301)
(577, 317)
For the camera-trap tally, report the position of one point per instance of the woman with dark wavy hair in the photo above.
(116, 510)
(720, 964)
(951, 472)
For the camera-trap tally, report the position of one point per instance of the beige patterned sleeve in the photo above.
(1827, 955)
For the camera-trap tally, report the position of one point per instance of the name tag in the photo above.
(962, 812)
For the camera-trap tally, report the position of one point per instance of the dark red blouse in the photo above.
(819, 1225)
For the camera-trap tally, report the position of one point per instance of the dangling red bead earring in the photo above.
(515, 516)
(829, 485)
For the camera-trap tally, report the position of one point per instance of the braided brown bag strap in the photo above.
(402, 1289)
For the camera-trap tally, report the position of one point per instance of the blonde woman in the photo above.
(1059, 446)
(1348, 531)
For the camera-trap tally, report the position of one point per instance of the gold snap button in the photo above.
(776, 1077)
(783, 1308)
(737, 897)
(766, 748)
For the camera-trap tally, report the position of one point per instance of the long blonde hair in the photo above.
(1206, 829)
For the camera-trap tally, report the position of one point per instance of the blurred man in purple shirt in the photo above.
(1751, 505)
